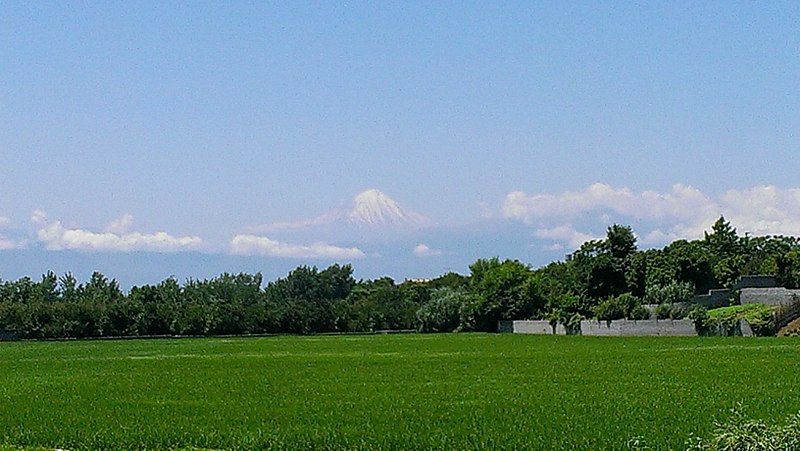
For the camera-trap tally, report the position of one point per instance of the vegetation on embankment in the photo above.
(760, 317)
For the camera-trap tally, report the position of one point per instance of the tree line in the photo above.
(608, 279)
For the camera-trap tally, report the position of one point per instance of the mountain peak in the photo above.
(373, 207)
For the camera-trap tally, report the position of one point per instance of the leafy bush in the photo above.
(570, 321)
(610, 309)
(725, 320)
(759, 316)
(442, 313)
(680, 311)
(573, 324)
(702, 321)
(469, 314)
(639, 312)
(672, 311)
(619, 307)
(664, 311)
(670, 293)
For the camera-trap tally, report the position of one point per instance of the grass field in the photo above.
(409, 391)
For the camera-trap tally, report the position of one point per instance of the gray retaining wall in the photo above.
(531, 327)
(770, 296)
(714, 299)
(640, 328)
(618, 328)
(756, 281)
(624, 328)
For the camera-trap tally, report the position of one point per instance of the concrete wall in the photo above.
(530, 327)
(755, 281)
(745, 329)
(714, 299)
(618, 328)
(768, 296)
(640, 328)
(623, 328)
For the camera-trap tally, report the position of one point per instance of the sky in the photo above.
(147, 139)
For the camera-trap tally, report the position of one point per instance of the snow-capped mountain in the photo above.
(373, 207)
(370, 209)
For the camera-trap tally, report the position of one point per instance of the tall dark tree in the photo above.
(621, 241)
(722, 242)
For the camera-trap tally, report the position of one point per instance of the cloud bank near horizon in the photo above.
(261, 245)
(116, 238)
(555, 222)
(683, 212)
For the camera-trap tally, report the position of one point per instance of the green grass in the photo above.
(746, 311)
(410, 391)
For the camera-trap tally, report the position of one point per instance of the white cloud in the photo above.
(120, 225)
(554, 247)
(486, 210)
(38, 217)
(7, 243)
(681, 202)
(422, 250)
(655, 237)
(320, 220)
(566, 234)
(681, 212)
(260, 245)
(764, 210)
(54, 236)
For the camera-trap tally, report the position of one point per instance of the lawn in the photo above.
(390, 391)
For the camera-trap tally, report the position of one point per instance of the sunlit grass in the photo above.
(410, 391)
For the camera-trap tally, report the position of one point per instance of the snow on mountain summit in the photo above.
(370, 209)
(373, 207)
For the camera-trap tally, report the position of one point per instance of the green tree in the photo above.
(442, 313)
(504, 291)
(621, 242)
(723, 241)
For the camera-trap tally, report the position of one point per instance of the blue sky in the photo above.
(512, 129)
